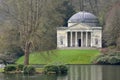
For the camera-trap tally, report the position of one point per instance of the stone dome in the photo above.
(84, 17)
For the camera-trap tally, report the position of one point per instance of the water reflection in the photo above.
(76, 72)
(94, 72)
(85, 72)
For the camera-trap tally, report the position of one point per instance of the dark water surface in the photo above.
(76, 72)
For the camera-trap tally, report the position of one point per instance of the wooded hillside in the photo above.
(30, 25)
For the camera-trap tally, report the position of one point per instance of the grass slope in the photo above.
(62, 56)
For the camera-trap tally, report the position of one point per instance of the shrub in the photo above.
(63, 69)
(29, 70)
(112, 47)
(104, 50)
(20, 67)
(58, 69)
(51, 69)
(102, 60)
(111, 58)
(9, 68)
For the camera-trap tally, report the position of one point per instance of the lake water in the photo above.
(76, 72)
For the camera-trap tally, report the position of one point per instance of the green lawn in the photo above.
(62, 56)
(1, 70)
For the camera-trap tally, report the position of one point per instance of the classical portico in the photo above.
(79, 39)
(82, 31)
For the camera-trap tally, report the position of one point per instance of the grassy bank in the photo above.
(62, 56)
(1, 70)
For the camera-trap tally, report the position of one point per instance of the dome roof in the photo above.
(84, 17)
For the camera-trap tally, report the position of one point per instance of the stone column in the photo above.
(86, 39)
(76, 42)
(91, 38)
(81, 39)
(66, 39)
(71, 39)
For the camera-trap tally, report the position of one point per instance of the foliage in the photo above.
(67, 10)
(32, 26)
(112, 28)
(111, 58)
(13, 52)
(20, 67)
(62, 69)
(51, 69)
(58, 69)
(9, 68)
(29, 70)
(62, 56)
(95, 6)
(112, 47)
(39, 70)
(1, 70)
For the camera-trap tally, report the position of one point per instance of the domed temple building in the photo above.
(83, 30)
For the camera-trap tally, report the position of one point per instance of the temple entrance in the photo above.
(77, 39)
(79, 42)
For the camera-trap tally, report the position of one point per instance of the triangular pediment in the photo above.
(80, 27)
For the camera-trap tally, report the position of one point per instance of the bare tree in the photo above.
(112, 28)
(28, 18)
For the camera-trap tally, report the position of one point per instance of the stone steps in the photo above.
(76, 48)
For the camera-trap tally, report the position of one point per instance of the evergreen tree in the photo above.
(67, 10)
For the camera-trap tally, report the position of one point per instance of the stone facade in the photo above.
(79, 34)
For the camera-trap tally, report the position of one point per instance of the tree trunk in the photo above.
(26, 60)
(27, 52)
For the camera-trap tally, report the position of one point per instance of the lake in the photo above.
(76, 72)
